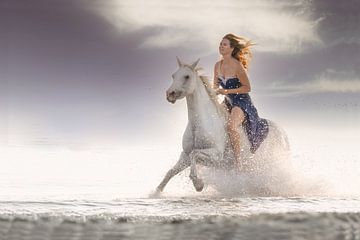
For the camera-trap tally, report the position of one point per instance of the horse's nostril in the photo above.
(170, 94)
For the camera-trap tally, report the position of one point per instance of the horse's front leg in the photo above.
(182, 163)
(208, 157)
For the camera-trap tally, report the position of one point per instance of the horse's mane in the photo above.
(212, 94)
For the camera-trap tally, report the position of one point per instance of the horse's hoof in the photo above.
(155, 194)
(198, 184)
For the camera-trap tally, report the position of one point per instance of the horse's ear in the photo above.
(178, 61)
(195, 63)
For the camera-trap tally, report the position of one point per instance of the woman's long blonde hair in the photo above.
(241, 47)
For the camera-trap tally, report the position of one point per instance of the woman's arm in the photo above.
(216, 80)
(245, 88)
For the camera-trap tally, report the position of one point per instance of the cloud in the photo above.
(329, 81)
(340, 21)
(284, 26)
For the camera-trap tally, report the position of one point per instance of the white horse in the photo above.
(205, 140)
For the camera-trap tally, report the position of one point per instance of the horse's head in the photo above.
(183, 81)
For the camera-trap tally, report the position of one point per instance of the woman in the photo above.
(230, 74)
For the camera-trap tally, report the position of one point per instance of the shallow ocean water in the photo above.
(103, 193)
(182, 218)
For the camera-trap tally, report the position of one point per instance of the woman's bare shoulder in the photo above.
(216, 66)
(236, 61)
(239, 64)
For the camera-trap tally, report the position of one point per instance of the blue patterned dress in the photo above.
(255, 127)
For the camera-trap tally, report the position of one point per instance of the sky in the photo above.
(88, 73)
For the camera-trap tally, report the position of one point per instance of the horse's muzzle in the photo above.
(171, 96)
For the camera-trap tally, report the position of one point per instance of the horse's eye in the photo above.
(187, 77)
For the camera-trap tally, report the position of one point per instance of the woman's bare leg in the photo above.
(235, 119)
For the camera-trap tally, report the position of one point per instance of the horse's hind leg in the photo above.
(182, 163)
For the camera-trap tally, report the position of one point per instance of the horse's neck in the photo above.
(203, 112)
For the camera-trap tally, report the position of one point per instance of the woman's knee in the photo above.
(236, 118)
(233, 124)
(238, 114)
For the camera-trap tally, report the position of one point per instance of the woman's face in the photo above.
(224, 47)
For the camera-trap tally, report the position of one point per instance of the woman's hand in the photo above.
(221, 91)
